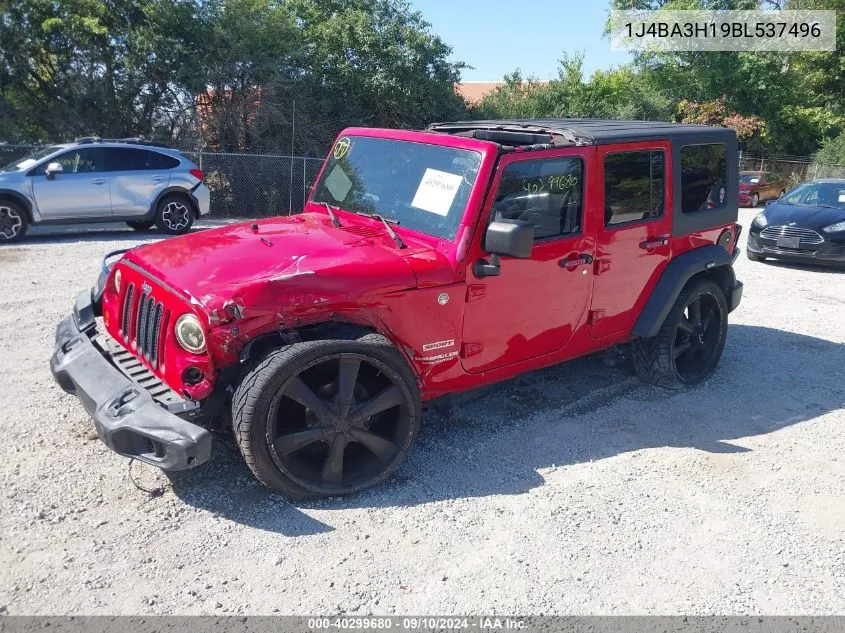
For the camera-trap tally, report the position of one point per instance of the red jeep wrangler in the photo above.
(424, 263)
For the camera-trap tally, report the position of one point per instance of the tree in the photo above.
(222, 72)
(619, 93)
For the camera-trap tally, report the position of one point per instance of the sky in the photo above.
(498, 36)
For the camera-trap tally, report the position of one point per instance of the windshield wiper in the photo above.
(387, 226)
(389, 229)
(335, 221)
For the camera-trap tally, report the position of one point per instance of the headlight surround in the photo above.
(189, 333)
(835, 228)
(760, 219)
(116, 280)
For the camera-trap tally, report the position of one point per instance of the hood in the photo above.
(300, 259)
(808, 217)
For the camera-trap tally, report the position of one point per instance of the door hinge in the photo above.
(594, 315)
(475, 292)
(601, 266)
(471, 349)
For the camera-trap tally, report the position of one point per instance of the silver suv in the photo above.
(100, 180)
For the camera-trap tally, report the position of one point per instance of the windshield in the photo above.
(422, 187)
(749, 179)
(817, 194)
(28, 161)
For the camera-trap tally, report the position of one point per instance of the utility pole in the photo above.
(292, 134)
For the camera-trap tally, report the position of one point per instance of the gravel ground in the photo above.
(573, 490)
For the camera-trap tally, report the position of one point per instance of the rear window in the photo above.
(634, 185)
(704, 174)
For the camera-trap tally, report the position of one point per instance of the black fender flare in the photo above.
(705, 259)
(19, 198)
(189, 194)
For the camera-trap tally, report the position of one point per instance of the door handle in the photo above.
(577, 260)
(654, 242)
(98, 181)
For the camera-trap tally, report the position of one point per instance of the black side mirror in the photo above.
(514, 239)
(768, 202)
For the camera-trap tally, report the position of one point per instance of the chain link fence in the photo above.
(242, 185)
(245, 185)
(793, 170)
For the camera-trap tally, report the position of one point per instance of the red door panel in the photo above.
(630, 255)
(534, 305)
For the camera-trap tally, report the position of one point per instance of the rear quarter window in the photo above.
(163, 161)
(704, 174)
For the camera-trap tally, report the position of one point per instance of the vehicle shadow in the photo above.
(813, 268)
(493, 442)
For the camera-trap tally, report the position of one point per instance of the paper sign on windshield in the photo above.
(436, 192)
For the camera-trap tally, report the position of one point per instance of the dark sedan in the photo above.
(806, 225)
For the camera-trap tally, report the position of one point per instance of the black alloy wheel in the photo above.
(697, 337)
(332, 417)
(688, 346)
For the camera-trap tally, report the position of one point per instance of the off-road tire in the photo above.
(265, 377)
(653, 356)
(174, 215)
(140, 225)
(14, 222)
(754, 257)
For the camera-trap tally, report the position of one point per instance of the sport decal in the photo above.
(438, 345)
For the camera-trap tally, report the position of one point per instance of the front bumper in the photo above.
(128, 420)
(828, 252)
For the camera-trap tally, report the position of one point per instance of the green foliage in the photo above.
(271, 74)
(620, 93)
(777, 102)
(230, 73)
(832, 151)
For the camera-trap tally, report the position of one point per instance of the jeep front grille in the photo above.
(145, 328)
(806, 236)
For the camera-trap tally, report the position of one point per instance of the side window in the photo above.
(76, 161)
(704, 173)
(634, 184)
(546, 193)
(128, 159)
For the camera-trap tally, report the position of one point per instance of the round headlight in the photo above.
(117, 280)
(189, 333)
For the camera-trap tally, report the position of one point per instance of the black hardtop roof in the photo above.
(582, 131)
